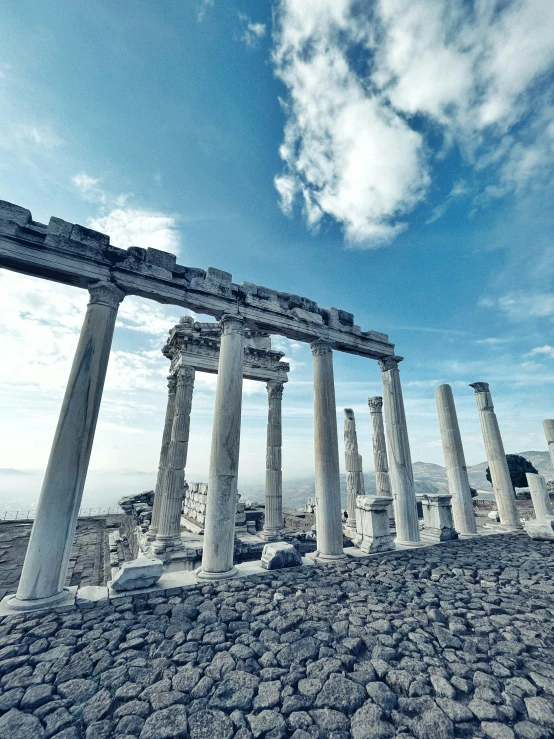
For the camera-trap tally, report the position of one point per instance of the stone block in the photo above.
(372, 524)
(542, 528)
(139, 573)
(438, 524)
(279, 554)
(90, 596)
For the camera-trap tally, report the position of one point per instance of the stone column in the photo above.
(45, 567)
(548, 426)
(166, 438)
(456, 470)
(221, 504)
(401, 474)
(273, 523)
(382, 481)
(327, 472)
(354, 470)
(500, 475)
(539, 495)
(173, 485)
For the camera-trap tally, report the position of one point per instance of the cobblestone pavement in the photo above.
(87, 566)
(450, 641)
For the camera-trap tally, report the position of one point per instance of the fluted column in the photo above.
(548, 426)
(494, 448)
(45, 567)
(539, 495)
(166, 438)
(354, 469)
(221, 504)
(273, 522)
(456, 470)
(173, 484)
(327, 472)
(400, 461)
(382, 480)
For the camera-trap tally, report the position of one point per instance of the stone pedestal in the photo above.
(456, 470)
(500, 475)
(327, 473)
(273, 523)
(437, 517)
(45, 567)
(548, 426)
(354, 470)
(372, 524)
(400, 461)
(173, 489)
(166, 438)
(221, 504)
(382, 480)
(539, 495)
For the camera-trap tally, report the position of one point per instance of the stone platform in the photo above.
(454, 640)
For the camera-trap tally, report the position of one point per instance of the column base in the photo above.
(163, 543)
(151, 535)
(270, 534)
(317, 556)
(201, 574)
(12, 605)
(403, 543)
(468, 536)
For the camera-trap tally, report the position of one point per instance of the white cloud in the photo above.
(356, 79)
(547, 351)
(253, 32)
(492, 341)
(522, 305)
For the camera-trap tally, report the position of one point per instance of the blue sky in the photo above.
(391, 159)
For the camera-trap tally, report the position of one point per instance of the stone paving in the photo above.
(89, 563)
(450, 641)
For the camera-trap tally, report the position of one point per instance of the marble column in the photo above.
(456, 470)
(166, 438)
(173, 485)
(548, 426)
(327, 472)
(354, 469)
(45, 567)
(221, 504)
(380, 461)
(273, 523)
(400, 461)
(539, 495)
(500, 475)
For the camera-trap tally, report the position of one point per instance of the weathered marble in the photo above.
(548, 426)
(273, 523)
(279, 554)
(382, 480)
(456, 469)
(46, 562)
(539, 495)
(500, 474)
(327, 472)
(138, 573)
(219, 530)
(372, 524)
(437, 517)
(166, 438)
(401, 474)
(354, 469)
(173, 488)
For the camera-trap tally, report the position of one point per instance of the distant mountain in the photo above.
(11, 471)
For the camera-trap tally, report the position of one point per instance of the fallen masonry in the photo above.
(454, 640)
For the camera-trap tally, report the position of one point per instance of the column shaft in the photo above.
(354, 469)
(166, 438)
(169, 520)
(539, 495)
(273, 523)
(49, 549)
(401, 474)
(327, 473)
(456, 470)
(381, 463)
(500, 474)
(221, 504)
(548, 426)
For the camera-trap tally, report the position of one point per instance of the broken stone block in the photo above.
(541, 528)
(139, 573)
(279, 554)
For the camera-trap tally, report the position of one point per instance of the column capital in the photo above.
(185, 375)
(320, 346)
(349, 414)
(172, 383)
(375, 404)
(275, 389)
(232, 323)
(105, 293)
(480, 387)
(389, 363)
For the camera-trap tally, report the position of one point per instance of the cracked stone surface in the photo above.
(451, 641)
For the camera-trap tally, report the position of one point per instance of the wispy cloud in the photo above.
(493, 341)
(252, 33)
(547, 351)
(358, 79)
(522, 305)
